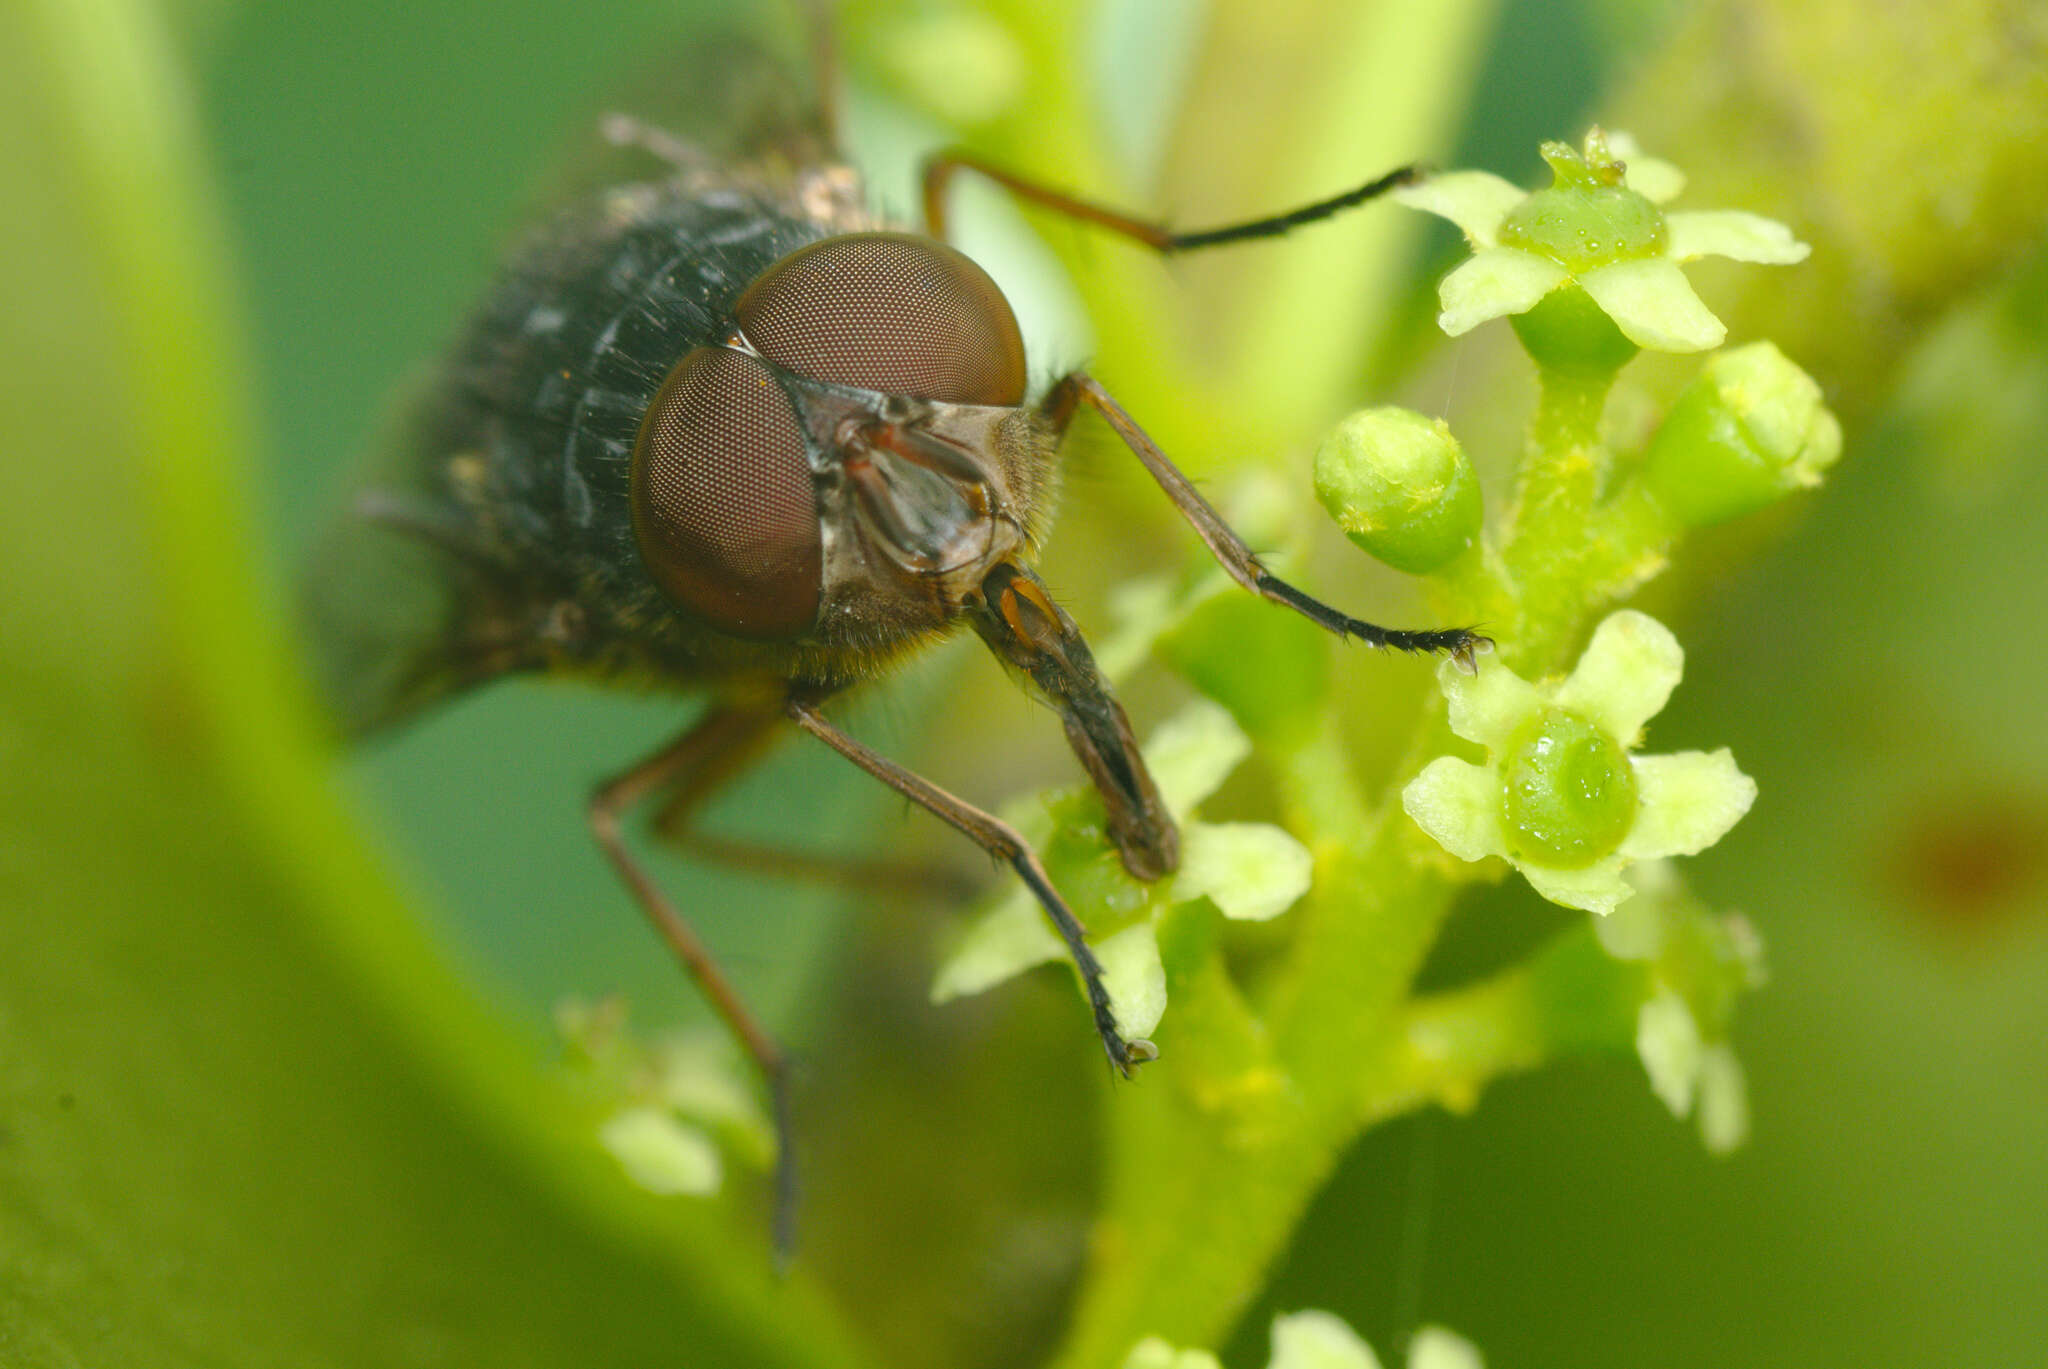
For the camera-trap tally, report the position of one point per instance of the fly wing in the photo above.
(406, 599)
(426, 582)
(724, 105)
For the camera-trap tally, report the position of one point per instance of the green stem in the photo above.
(1571, 998)
(1550, 544)
(1318, 791)
(1475, 589)
(1628, 541)
(1211, 1172)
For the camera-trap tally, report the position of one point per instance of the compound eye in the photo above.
(723, 505)
(892, 312)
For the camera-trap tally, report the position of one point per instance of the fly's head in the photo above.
(850, 464)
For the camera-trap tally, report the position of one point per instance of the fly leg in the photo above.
(1021, 624)
(1462, 643)
(1001, 841)
(941, 167)
(741, 736)
(713, 747)
(1079, 388)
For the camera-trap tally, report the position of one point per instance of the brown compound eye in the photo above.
(723, 505)
(892, 312)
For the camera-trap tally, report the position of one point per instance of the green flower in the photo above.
(1317, 1340)
(1560, 795)
(1250, 871)
(661, 1153)
(1597, 234)
(1691, 1074)
(672, 1107)
(1700, 963)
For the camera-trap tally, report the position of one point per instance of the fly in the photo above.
(724, 432)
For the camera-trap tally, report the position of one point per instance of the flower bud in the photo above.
(1749, 429)
(1401, 488)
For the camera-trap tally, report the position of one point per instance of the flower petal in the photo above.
(1497, 281)
(661, 1154)
(1655, 179)
(1318, 1340)
(1625, 675)
(696, 1076)
(1476, 201)
(1154, 1353)
(1731, 233)
(1135, 978)
(1249, 870)
(1192, 752)
(1488, 706)
(1651, 301)
(1435, 1348)
(1006, 941)
(1598, 888)
(1688, 802)
(1638, 929)
(1668, 1041)
(1723, 1100)
(1458, 803)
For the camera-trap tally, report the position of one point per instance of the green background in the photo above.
(275, 1074)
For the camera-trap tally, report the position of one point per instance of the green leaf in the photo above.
(247, 1114)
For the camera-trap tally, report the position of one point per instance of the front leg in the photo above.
(1026, 629)
(1230, 551)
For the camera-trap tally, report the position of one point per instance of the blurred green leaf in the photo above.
(247, 1116)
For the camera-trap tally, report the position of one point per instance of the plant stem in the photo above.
(1552, 540)
(1570, 997)
(1211, 1171)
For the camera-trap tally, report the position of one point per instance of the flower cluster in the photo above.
(1318, 1340)
(1560, 796)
